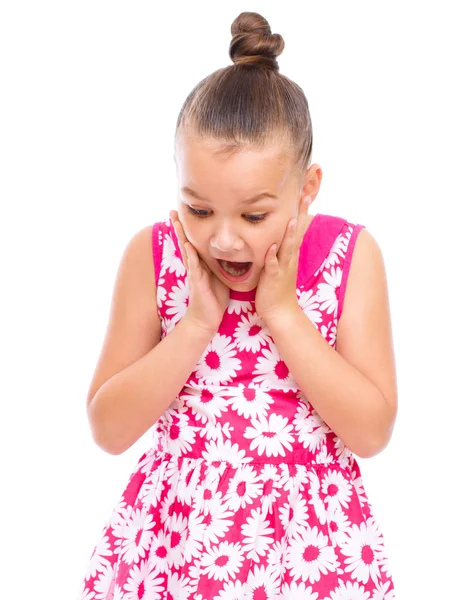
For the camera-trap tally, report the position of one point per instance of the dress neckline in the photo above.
(249, 295)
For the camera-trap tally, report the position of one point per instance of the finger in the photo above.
(192, 258)
(271, 260)
(288, 245)
(180, 234)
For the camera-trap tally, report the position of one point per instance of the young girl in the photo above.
(255, 340)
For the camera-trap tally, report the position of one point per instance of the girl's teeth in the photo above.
(233, 269)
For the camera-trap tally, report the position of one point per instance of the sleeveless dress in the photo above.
(245, 492)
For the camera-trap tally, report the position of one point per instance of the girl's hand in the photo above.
(208, 295)
(276, 290)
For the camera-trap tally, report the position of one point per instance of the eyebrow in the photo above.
(251, 200)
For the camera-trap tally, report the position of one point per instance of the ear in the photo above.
(312, 181)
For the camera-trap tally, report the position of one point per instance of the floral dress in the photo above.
(245, 492)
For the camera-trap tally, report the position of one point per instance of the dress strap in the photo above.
(316, 245)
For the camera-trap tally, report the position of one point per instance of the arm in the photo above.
(353, 388)
(127, 404)
(138, 375)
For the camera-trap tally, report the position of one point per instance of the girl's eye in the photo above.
(202, 214)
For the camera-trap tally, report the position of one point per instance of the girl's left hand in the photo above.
(276, 290)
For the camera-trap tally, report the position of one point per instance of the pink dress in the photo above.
(245, 493)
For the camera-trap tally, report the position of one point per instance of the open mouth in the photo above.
(235, 271)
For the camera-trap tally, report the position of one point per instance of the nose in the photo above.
(225, 240)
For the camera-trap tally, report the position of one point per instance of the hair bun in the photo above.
(253, 43)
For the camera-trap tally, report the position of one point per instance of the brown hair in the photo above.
(250, 102)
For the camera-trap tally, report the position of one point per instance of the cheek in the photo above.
(261, 244)
(192, 233)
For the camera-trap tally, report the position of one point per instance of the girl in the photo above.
(255, 340)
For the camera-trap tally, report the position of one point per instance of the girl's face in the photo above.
(235, 208)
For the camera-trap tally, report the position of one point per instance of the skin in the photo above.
(222, 185)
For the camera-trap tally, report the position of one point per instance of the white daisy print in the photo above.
(314, 496)
(166, 507)
(309, 555)
(276, 556)
(310, 305)
(256, 532)
(218, 364)
(179, 587)
(151, 488)
(270, 436)
(338, 526)
(169, 261)
(248, 401)
(238, 306)
(272, 372)
(117, 592)
(271, 487)
(207, 403)
(262, 582)
(342, 452)
(167, 325)
(251, 333)
(180, 435)
(358, 485)
(194, 573)
(311, 429)
(293, 514)
(119, 518)
(225, 450)
(381, 592)
(104, 582)
(146, 462)
(340, 245)
(136, 535)
(86, 594)
(292, 476)
(331, 334)
(349, 591)
(362, 549)
(222, 562)
(217, 520)
(178, 301)
(338, 250)
(383, 561)
(216, 432)
(324, 457)
(244, 487)
(232, 590)
(298, 591)
(337, 489)
(161, 292)
(98, 561)
(188, 481)
(176, 526)
(143, 583)
(206, 496)
(160, 549)
(326, 293)
(195, 534)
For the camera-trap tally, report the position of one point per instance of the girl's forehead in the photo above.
(209, 148)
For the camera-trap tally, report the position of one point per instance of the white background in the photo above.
(90, 93)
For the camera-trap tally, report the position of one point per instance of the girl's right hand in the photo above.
(208, 295)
